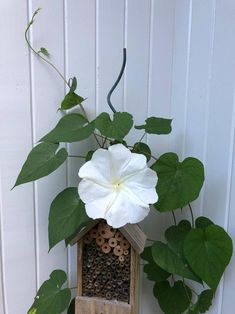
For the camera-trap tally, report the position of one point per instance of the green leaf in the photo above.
(89, 155)
(179, 183)
(44, 51)
(73, 86)
(205, 300)
(152, 270)
(50, 297)
(172, 300)
(175, 236)
(71, 100)
(142, 148)
(203, 222)
(72, 127)
(118, 142)
(41, 161)
(208, 252)
(155, 273)
(173, 263)
(71, 309)
(67, 215)
(155, 125)
(116, 129)
(146, 255)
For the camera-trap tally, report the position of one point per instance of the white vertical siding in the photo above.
(17, 206)
(181, 61)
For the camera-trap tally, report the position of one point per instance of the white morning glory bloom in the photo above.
(117, 185)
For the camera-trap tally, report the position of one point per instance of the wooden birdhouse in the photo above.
(108, 268)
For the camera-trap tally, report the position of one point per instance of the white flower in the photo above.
(117, 185)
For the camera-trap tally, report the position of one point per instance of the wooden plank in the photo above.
(135, 236)
(79, 267)
(85, 305)
(134, 282)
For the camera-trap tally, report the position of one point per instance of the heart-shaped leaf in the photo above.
(172, 300)
(152, 270)
(208, 252)
(71, 100)
(155, 273)
(50, 297)
(173, 263)
(179, 183)
(72, 127)
(155, 125)
(41, 161)
(142, 148)
(203, 222)
(116, 129)
(67, 215)
(175, 236)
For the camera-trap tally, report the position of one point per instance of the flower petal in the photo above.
(97, 199)
(124, 210)
(124, 162)
(143, 185)
(97, 169)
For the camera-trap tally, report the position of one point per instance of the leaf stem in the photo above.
(191, 212)
(49, 62)
(140, 140)
(78, 156)
(173, 214)
(37, 53)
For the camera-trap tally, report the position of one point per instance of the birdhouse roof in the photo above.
(132, 232)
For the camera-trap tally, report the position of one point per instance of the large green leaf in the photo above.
(116, 129)
(175, 236)
(152, 270)
(155, 125)
(142, 148)
(155, 273)
(50, 297)
(67, 215)
(41, 161)
(72, 127)
(208, 252)
(173, 300)
(179, 183)
(170, 261)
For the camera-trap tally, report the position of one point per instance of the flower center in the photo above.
(117, 186)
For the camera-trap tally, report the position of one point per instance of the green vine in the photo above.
(197, 251)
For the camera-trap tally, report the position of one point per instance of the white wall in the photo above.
(181, 62)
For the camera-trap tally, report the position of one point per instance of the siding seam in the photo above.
(33, 140)
(2, 257)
